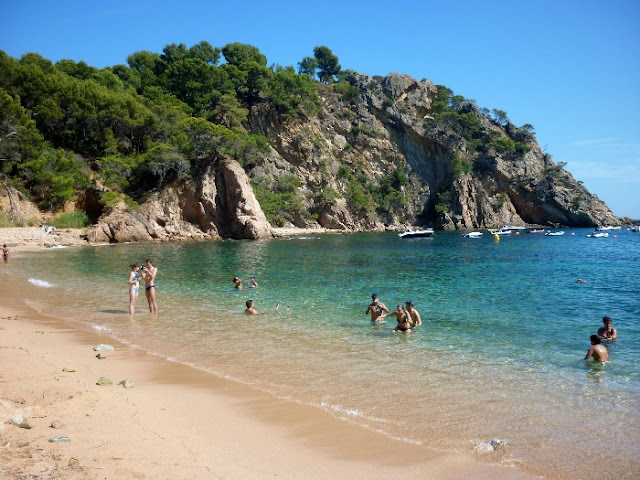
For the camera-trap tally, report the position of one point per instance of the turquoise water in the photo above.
(505, 328)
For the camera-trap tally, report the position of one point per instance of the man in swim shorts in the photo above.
(376, 308)
(607, 332)
(150, 272)
(597, 350)
(414, 316)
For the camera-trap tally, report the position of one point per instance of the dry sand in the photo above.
(176, 422)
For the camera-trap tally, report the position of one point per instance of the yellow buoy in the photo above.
(496, 237)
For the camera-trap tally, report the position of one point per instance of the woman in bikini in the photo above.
(134, 287)
(404, 321)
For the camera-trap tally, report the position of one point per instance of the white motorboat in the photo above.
(513, 227)
(501, 231)
(427, 232)
(598, 235)
(554, 234)
(473, 235)
(602, 228)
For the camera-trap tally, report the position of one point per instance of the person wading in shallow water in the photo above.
(134, 287)
(376, 308)
(150, 272)
(607, 332)
(5, 253)
(597, 350)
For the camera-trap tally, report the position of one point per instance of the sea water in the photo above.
(499, 355)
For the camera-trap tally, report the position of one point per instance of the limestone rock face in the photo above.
(243, 212)
(219, 204)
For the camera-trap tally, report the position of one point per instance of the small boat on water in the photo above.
(501, 231)
(427, 232)
(513, 227)
(539, 230)
(598, 235)
(473, 235)
(554, 234)
(602, 228)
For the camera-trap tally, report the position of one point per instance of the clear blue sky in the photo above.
(570, 68)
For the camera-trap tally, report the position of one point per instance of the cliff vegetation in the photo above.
(208, 142)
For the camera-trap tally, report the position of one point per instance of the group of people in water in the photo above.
(407, 317)
(598, 351)
(146, 272)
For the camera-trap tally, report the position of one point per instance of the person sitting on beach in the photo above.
(607, 332)
(150, 272)
(376, 308)
(597, 350)
(404, 323)
(254, 283)
(414, 316)
(237, 283)
(5, 253)
(134, 287)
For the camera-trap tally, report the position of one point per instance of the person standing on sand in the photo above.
(414, 316)
(150, 272)
(597, 350)
(607, 332)
(134, 287)
(376, 308)
(5, 253)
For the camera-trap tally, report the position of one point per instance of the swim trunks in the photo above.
(149, 287)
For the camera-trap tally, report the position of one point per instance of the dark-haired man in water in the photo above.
(376, 308)
(597, 350)
(414, 316)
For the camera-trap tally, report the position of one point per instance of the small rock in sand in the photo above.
(100, 356)
(127, 383)
(69, 370)
(103, 347)
(102, 381)
(59, 439)
(21, 421)
(57, 424)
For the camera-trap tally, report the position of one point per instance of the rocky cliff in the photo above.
(381, 153)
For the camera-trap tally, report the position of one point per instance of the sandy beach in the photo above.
(175, 422)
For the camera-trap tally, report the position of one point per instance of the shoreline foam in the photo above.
(177, 422)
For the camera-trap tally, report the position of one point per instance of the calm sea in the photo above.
(500, 353)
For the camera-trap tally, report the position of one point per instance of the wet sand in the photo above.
(176, 422)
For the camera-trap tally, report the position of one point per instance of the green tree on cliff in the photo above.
(328, 66)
